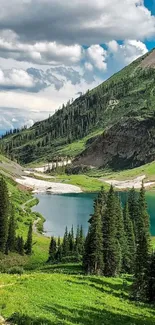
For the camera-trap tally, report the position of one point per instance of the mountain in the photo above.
(115, 109)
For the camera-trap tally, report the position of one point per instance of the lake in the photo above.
(74, 209)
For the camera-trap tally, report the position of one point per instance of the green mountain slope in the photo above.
(129, 93)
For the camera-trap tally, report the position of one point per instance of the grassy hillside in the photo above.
(54, 299)
(129, 93)
(22, 200)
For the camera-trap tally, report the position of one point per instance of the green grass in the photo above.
(56, 299)
(77, 147)
(86, 183)
(19, 196)
(148, 170)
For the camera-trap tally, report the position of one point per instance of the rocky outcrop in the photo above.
(127, 144)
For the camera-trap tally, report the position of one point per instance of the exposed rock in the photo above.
(127, 144)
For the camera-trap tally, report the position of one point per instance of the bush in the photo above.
(72, 259)
(16, 270)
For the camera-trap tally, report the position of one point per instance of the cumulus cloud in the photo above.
(15, 78)
(44, 53)
(127, 52)
(35, 80)
(98, 22)
(97, 56)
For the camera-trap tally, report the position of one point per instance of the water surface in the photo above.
(75, 209)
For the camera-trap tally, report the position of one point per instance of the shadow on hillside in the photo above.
(85, 316)
(63, 268)
(19, 319)
(118, 290)
(95, 316)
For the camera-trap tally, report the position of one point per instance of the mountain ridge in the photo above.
(127, 94)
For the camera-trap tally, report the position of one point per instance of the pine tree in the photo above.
(65, 244)
(142, 250)
(20, 245)
(11, 240)
(52, 249)
(111, 253)
(28, 245)
(150, 279)
(81, 243)
(130, 247)
(77, 240)
(58, 255)
(4, 212)
(87, 253)
(102, 199)
(120, 234)
(93, 256)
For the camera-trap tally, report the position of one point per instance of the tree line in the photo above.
(9, 240)
(70, 248)
(118, 242)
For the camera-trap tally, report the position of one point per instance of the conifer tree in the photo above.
(120, 234)
(58, 255)
(142, 249)
(81, 241)
(65, 244)
(4, 212)
(150, 278)
(111, 253)
(102, 199)
(93, 256)
(130, 247)
(20, 245)
(11, 240)
(72, 240)
(87, 253)
(28, 245)
(52, 249)
(77, 240)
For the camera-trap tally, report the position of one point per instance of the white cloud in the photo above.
(16, 78)
(88, 66)
(43, 53)
(28, 123)
(113, 46)
(127, 52)
(97, 56)
(83, 22)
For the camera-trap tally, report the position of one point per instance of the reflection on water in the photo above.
(74, 209)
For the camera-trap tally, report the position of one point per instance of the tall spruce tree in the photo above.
(65, 244)
(11, 240)
(111, 253)
(129, 244)
(20, 245)
(93, 256)
(120, 234)
(142, 249)
(28, 245)
(4, 213)
(52, 250)
(150, 276)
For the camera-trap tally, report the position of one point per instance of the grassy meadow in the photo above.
(46, 298)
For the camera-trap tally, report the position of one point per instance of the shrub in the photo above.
(16, 270)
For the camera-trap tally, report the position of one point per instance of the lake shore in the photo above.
(42, 186)
(128, 184)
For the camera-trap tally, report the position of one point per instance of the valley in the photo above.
(69, 178)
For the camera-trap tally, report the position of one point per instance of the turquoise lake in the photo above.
(74, 209)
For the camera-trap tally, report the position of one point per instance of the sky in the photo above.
(53, 50)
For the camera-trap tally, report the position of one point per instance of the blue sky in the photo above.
(49, 54)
